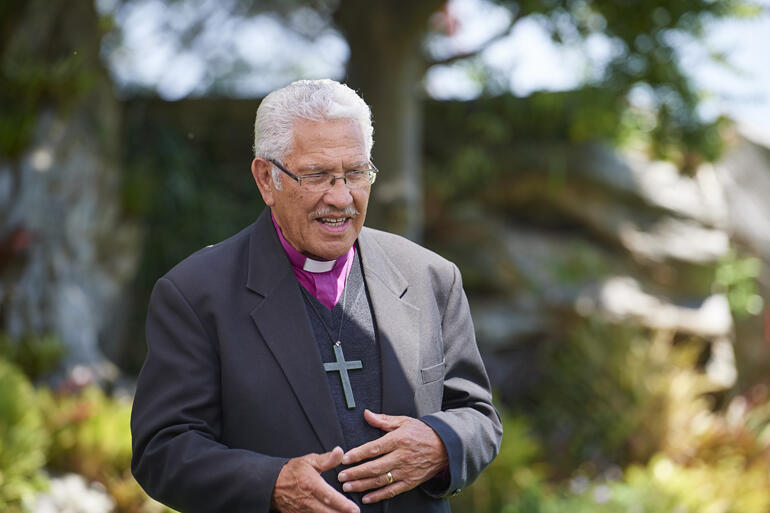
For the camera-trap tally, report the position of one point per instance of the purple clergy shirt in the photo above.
(326, 286)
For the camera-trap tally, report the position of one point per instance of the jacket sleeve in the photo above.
(468, 423)
(176, 420)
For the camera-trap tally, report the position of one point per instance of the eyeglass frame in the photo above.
(372, 172)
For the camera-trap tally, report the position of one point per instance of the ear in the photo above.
(262, 172)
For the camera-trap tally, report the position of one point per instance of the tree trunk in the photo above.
(65, 254)
(386, 67)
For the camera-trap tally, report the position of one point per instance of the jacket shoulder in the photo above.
(402, 250)
(213, 261)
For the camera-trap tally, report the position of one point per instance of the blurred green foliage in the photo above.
(624, 420)
(738, 277)
(601, 399)
(518, 467)
(187, 179)
(728, 484)
(29, 81)
(662, 486)
(645, 36)
(89, 432)
(610, 396)
(35, 356)
(23, 440)
(475, 151)
(40, 68)
(90, 435)
(68, 430)
(621, 421)
(579, 264)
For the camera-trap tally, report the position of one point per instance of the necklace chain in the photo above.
(342, 313)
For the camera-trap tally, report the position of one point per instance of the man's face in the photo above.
(310, 221)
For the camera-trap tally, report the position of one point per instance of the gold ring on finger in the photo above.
(390, 478)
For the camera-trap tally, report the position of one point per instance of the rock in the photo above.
(621, 299)
(62, 194)
(81, 254)
(617, 236)
(699, 198)
(678, 239)
(500, 325)
(744, 174)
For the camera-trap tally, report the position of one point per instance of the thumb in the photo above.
(327, 460)
(383, 421)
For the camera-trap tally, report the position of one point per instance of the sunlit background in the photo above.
(598, 169)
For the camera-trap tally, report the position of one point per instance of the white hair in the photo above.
(314, 100)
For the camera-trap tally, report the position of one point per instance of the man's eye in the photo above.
(316, 179)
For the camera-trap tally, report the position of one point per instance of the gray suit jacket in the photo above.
(233, 385)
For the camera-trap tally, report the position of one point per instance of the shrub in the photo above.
(90, 435)
(23, 441)
(516, 468)
(35, 356)
(738, 277)
(728, 485)
(721, 464)
(662, 486)
(89, 432)
(601, 399)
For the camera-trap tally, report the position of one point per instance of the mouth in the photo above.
(333, 222)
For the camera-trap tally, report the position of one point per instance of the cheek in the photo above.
(361, 199)
(300, 205)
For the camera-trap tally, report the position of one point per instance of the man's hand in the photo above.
(410, 451)
(301, 489)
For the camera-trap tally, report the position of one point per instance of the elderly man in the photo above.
(308, 364)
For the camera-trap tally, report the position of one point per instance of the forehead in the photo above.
(331, 141)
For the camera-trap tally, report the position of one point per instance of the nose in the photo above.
(339, 195)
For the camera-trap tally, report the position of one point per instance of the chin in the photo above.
(332, 254)
(333, 251)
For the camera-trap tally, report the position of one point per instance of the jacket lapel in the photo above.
(398, 324)
(281, 319)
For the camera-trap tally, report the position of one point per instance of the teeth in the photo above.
(332, 221)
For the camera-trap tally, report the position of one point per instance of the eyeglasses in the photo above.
(322, 182)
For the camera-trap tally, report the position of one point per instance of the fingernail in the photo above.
(366, 500)
(347, 487)
(342, 476)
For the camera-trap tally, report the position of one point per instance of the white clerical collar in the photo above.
(318, 266)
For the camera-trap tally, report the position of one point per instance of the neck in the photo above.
(307, 261)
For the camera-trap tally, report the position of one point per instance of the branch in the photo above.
(489, 42)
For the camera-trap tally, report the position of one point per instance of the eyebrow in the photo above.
(319, 168)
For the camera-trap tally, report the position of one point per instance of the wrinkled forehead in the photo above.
(327, 142)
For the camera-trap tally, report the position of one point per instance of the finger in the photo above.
(387, 492)
(374, 468)
(383, 445)
(323, 508)
(383, 421)
(331, 500)
(300, 487)
(370, 483)
(327, 460)
(332, 506)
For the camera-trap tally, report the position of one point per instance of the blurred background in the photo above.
(598, 169)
